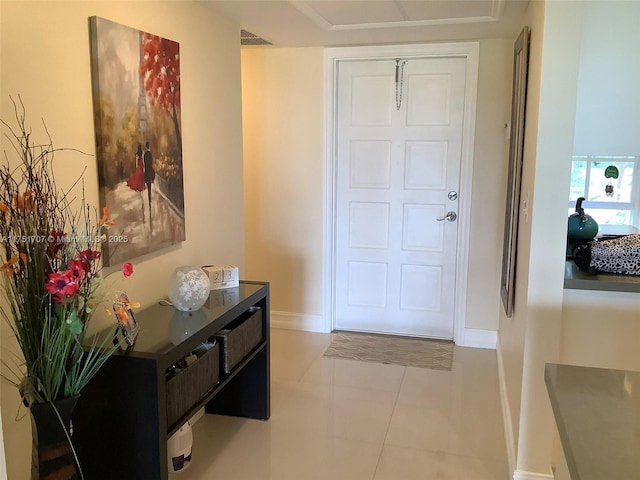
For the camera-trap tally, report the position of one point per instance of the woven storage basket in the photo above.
(190, 385)
(238, 340)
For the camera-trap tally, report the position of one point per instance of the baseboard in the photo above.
(520, 475)
(506, 412)
(299, 321)
(477, 338)
(316, 323)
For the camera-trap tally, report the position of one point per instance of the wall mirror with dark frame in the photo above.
(516, 146)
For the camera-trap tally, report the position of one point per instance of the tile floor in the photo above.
(337, 419)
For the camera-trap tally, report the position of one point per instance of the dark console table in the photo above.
(120, 422)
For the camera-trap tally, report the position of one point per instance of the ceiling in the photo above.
(304, 23)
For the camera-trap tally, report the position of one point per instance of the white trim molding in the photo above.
(476, 338)
(468, 50)
(497, 9)
(299, 321)
(521, 475)
(506, 411)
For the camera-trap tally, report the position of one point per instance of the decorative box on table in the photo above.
(189, 386)
(240, 338)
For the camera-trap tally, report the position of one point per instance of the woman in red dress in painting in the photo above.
(136, 180)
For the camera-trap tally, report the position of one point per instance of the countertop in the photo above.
(574, 278)
(597, 412)
(577, 279)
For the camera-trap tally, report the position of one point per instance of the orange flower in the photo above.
(104, 221)
(105, 215)
(121, 313)
(9, 267)
(25, 202)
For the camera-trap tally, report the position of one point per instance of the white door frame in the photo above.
(467, 50)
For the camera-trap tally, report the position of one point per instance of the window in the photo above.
(619, 206)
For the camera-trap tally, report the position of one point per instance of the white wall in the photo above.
(45, 59)
(601, 328)
(531, 337)
(511, 334)
(608, 93)
(551, 172)
(551, 324)
(283, 143)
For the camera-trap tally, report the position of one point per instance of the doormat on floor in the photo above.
(406, 351)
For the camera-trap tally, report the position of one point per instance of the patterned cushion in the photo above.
(617, 255)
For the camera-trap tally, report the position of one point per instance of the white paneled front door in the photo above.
(397, 177)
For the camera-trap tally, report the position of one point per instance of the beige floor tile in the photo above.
(344, 412)
(293, 352)
(472, 468)
(475, 355)
(350, 373)
(398, 463)
(307, 409)
(420, 428)
(228, 447)
(442, 431)
(410, 464)
(423, 387)
(280, 390)
(335, 419)
(361, 414)
(327, 458)
(486, 444)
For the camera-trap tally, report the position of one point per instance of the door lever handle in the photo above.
(451, 216)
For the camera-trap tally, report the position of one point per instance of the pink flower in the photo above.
(77, 270)
(127, 269)
(61, 285)
(87, 257)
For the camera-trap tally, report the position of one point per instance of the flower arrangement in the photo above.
(50, 254)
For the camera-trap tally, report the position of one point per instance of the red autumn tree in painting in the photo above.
(160, 68)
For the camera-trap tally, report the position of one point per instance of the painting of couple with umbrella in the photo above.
(136, 98)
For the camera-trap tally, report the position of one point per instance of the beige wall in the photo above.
(45, 59)
(282, 96)
(283, 114)
(490, 165)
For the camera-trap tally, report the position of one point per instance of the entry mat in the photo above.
(406, 351)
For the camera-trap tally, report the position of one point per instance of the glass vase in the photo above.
(189, 288)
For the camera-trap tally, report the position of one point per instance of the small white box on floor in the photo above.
(220, 277)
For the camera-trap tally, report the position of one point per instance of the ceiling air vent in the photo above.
(248, 38)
